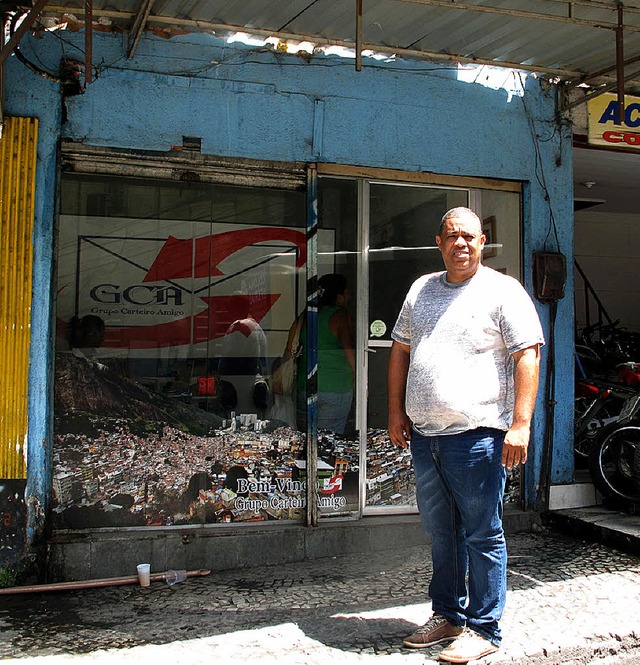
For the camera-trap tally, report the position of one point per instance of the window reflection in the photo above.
(181, 359)
(174, 303)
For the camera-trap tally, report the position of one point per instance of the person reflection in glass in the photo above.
(86, 336)
(336, 357)
(244, 350)
(87, 332)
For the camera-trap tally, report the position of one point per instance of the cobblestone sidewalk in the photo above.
(569, 602)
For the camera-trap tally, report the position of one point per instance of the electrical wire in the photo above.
(27, 63)
(41, 71)
(540, 176)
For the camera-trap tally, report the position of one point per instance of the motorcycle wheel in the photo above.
(614, 462)
(590, 431)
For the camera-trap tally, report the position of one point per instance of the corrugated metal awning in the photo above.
(570, 40)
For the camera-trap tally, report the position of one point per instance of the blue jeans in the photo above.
(333, 410)
(459, 487)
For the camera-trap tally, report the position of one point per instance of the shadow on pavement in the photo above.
(325, 598)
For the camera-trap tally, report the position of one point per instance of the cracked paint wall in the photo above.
(257, 103)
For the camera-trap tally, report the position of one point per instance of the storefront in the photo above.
(175, 303)
(184, 216)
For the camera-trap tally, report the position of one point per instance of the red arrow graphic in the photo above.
(211, 323)
(199, 257)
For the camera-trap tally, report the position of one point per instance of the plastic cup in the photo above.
(174, 576)
(144, 574)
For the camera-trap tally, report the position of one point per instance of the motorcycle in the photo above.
(614, 456)
(593, 410)
(598, 402)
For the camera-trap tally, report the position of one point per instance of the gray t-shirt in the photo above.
(461, 337)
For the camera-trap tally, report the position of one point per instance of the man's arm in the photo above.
(399, 423)
(516, 441)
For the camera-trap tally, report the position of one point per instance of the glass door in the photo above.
(398, 246)
(339, 378)
(380, 236)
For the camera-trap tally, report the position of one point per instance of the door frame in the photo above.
(364, 178)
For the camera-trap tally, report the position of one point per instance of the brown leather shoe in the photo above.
(436, 630)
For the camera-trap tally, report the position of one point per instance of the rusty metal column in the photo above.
(88, 42)
(620, 62)
(311, 515)
(17, 192)
(358, 35)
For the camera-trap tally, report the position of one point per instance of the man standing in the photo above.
(463, 377)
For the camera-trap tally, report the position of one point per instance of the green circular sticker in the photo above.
(378, 328)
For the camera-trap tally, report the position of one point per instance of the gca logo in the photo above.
(136, 294)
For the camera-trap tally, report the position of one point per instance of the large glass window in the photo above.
(175, 301)
(182, 362)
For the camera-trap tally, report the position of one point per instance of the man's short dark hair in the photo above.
(460, 211)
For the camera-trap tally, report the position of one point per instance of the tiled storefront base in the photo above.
(102, 553)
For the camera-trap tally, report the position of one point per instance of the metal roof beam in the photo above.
(603, 72)
(601, 91)
(596, 4)
(139, 24)
(320, 39)
(516, 13)
(27, 22)
(619, 67)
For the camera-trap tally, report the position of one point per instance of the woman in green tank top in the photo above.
(336, 357)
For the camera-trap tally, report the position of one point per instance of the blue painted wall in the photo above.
(248, 102)
(33, 96)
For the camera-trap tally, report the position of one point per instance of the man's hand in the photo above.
(514, 448)
(399, 428)
(516, 440)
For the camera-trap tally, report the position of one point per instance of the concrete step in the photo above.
(600, 524)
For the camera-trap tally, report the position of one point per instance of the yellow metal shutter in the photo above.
(17, 189)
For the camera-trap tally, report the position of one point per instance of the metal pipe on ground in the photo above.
(89, 584)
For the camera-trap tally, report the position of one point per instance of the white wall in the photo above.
(607, 248)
